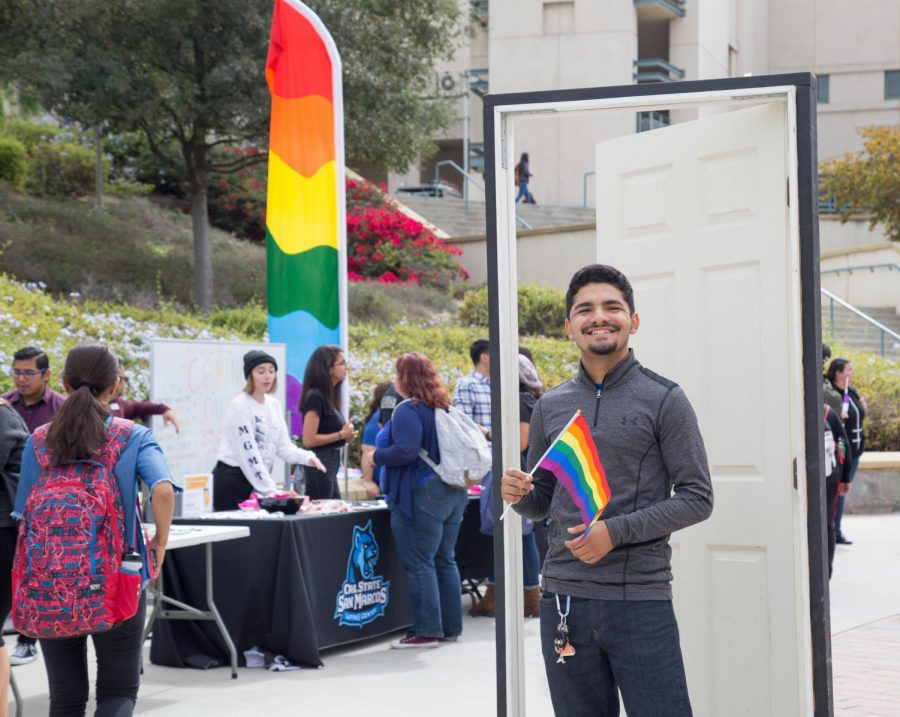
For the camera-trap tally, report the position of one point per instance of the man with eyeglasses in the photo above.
(36, 403)
(33, 398)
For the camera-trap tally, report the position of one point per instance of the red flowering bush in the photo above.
(383, 244)
(387, 246)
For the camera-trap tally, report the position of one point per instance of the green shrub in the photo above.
(13, 163)
(31, 134)
(542, 310)
(250, 320)
(62, 169)
(124, 188)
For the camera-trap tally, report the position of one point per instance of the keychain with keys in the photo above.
(561, 644)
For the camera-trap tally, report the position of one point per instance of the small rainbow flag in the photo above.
(574, 460)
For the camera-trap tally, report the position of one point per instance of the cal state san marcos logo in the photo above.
(364, 595)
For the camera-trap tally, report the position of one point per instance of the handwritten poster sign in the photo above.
(198, 379)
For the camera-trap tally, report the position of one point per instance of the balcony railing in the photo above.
(652, 120)
(656, 69)
(660, 9)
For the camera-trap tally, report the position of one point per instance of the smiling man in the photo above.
(607, 623)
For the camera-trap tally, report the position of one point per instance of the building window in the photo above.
(823, 84)
(559, 17)
(892, 85)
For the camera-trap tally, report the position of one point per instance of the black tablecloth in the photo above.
(279, 589)
(474, 550)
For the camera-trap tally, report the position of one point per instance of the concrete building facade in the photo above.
(521, 45)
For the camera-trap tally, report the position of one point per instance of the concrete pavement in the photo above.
(458, 678)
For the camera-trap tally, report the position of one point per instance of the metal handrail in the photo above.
(584, 179)
(865, 317)
(480, 185)
(870, 267)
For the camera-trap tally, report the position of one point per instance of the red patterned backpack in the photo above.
(67, 577)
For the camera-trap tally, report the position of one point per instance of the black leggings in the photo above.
(118, 669)
(230, 487)
(7, 552)
(324, 486)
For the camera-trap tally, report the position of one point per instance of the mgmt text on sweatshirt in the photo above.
(255, 433)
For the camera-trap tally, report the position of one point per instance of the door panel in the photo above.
(696, 216)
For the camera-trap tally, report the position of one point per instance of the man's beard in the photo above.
(603, 350)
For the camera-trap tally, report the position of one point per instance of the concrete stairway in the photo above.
(857, 333)
(451, 216)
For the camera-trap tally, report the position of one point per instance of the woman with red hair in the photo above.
(425, 511)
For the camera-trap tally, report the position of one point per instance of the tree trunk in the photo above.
(203, 270)
(98, 171)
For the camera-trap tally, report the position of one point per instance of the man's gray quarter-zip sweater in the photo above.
(652, 453)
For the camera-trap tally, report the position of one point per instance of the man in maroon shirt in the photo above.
(33, 398)
(36, 403)
(123, 408)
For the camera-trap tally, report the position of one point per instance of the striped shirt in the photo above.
(473, 395)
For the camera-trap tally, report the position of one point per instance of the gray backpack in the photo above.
(465, 452)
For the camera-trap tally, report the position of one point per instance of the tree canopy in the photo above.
(868, 181)
(189, 75)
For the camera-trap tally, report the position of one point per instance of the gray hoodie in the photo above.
(652, 453)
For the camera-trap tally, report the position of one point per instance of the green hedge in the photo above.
(62, 169)
(13, 162)
(542, 310)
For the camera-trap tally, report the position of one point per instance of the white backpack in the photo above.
(465, 452)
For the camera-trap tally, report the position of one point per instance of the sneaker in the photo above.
(449, 638)
(23, 654)
(412, 641)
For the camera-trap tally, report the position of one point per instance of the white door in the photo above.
(697, 216)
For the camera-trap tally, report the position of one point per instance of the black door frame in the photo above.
(811, 333)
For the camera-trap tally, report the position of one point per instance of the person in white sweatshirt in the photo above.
(255, 433)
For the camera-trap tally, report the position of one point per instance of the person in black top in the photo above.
(853, 413)
(325, 430)
(837, 474)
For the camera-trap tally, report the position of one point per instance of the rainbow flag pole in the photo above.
(306, 262)
(574, 460)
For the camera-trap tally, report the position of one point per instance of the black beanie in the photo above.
(254, 358)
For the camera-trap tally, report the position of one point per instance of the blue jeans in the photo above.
(426, 544)
(854, 464)
(627, 645)
(523, 192)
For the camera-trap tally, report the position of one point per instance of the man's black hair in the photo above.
(30, 352)
(826, 352)
(526, 353)
(599, 274)
(481, 346)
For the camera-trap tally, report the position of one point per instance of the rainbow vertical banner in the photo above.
(306, 239)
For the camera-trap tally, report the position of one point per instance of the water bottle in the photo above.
(132, 562)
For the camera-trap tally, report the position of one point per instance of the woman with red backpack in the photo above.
(81, 561)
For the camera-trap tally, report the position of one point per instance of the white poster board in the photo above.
(198, 379)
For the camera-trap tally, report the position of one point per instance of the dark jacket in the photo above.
(853, 424)
(13, 434)
(411, 427)
(655, 462)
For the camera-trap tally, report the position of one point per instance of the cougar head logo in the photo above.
(364, 555)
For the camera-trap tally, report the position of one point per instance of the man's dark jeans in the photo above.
(627, 645)
(118, 669)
